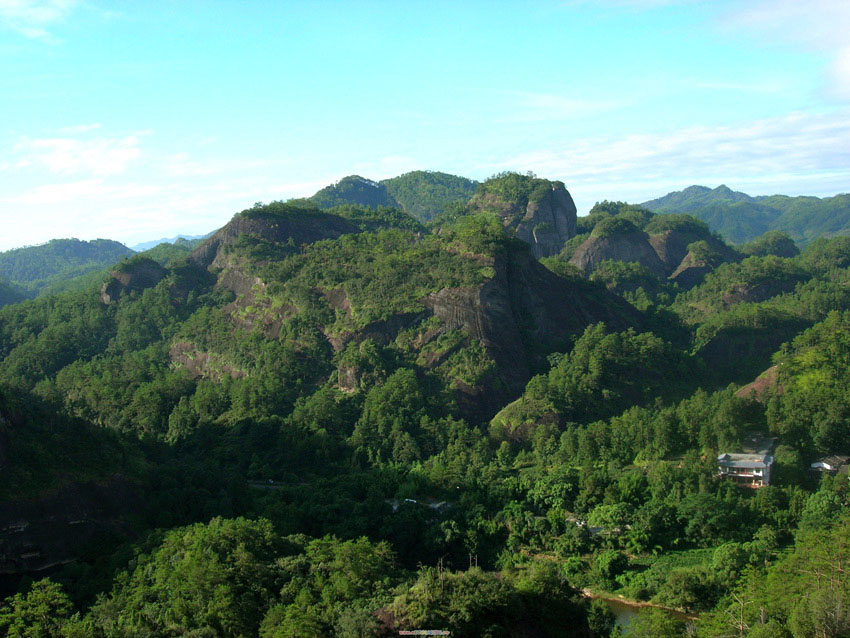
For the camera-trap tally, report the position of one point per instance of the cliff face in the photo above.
(545, 220)
(630, 247)
(137, 274)
(526, 312)
(664, 254)
(297, 229)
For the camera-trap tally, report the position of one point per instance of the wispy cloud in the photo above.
(32, 18)
(183, 165)
(79, 128)
(819, 25)
(73, 156)
(783, 153)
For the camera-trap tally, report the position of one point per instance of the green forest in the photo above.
(376, 411)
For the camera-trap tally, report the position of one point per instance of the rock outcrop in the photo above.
(544, 218)
(671, 246)
(631, 246)
(285, 225)
(526, 312)
(691, 271)
(764, 386)
(134, 275)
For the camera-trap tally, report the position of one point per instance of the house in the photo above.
(748, 470)
(831, 464)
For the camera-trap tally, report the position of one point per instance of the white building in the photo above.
(748, 470)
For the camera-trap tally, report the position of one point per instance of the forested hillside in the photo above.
(43, 269)
(335, 421)
(740, 218)
(426, 194)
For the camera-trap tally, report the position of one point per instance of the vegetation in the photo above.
(36, 270)
(309, 448)
(355, 190)
(740, 218)
(426, 194)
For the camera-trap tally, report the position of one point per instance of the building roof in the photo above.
(745, 461)
(833, 461)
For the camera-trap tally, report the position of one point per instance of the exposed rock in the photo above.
(766, 384)
(691, 271)
(202, 364)
(292, 226)
(755, 292)
(518, 420)
(630, 246)
(671, 246)
(238, 281)
(523, 304)
(37, 534)
(545, 221)
(134, 275)
(348, 377)
(381, 332)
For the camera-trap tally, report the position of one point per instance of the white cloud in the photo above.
(70, 156)
(783, 154)
(32, 17)
(819, 25)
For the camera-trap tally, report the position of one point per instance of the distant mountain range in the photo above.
(146, 245)
(740, 218)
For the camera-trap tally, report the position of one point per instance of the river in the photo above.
(625, 612)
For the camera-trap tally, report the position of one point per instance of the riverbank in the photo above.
(637, 604)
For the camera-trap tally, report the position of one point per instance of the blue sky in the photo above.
(138, 120)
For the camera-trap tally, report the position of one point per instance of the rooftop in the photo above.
(744, 460)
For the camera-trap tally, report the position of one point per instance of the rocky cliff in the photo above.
(539, 212)
(526, 312)
(282, 224)
(134, 275)
(632, 246)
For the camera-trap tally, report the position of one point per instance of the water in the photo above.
(626, 613)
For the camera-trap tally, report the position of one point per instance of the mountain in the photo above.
(146, 245)
(340, 421)
(425, 194)
(36, 269)
(677, 248)
(741, 218)
(420, 194)
(538, 211)
(695, 197)
(354, 190)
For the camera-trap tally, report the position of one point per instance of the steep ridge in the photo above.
(540, 212)
(526, 312)
(519, 311)
(277, 223)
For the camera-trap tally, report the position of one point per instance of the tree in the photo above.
(41, 613)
